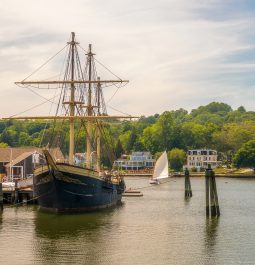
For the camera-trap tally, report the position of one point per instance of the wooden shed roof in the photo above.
(12, 153)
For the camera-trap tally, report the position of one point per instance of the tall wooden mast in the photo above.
(98, 133)
(89, 111)
(72, 104)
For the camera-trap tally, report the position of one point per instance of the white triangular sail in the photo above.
(161, 167)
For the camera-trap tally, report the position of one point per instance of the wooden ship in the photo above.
(64, 186)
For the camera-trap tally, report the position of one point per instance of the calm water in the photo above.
(159, 228)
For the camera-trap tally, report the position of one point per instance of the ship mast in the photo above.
(72, 104)
(98, 133)
(89, 111)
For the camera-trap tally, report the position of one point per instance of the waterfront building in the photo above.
(201, 158)
(19, 162)
(135, 161)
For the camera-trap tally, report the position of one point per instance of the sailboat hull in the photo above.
(65, 190)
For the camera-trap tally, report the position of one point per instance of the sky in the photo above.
(175, 53)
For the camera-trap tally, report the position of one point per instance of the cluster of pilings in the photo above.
(212, 204)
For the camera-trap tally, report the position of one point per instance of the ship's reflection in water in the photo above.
(74, 239)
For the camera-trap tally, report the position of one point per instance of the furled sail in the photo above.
(161, 167)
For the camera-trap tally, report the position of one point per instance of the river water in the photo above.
(159, 228)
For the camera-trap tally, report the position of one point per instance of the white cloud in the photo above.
(174, 52)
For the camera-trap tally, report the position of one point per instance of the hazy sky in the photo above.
(176, 53)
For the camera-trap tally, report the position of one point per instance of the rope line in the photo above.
(118, 110)
(36, 70)
(35, 106)
(101, 63)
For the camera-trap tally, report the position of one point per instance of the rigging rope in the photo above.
(118, 87)
(28, 87)
(48, 100)
(46, 123)
(101, 63)
(45, 63)
(118, 110)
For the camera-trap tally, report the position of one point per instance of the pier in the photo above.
(17, 196)
(132, 193)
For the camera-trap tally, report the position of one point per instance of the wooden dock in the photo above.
(17, 196)
(132, 193)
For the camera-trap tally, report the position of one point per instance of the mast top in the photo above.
(72, 42)
(90, 53)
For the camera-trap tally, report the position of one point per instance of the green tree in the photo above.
(24, 139)
(118, 149)
(214, 107)
(232, 136)
(165, 128)
(3, 145)
(241, 109)
(194, 135)
(150, 140)
(9, 136)
(177, 158)
(245, 156)
(128, 140)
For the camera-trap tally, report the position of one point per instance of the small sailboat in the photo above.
(160, 169)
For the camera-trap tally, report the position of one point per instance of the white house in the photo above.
(201, 158)
(135, 161)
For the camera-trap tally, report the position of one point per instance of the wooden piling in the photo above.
(212, 197)
(24, 198)
(207, 192)
(16, 193)
(212, 204)
(188, 191)
(217, 208)
(1, 197)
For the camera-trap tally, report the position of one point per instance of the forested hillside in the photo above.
(215, 125)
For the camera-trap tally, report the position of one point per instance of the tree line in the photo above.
(214, 126)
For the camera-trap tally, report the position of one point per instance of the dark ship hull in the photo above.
(74, 189)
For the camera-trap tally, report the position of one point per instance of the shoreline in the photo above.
(194, 175)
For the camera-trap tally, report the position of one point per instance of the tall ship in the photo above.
(64, 186)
